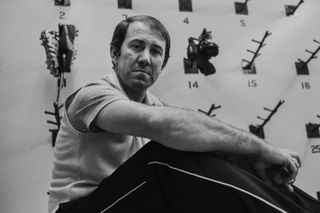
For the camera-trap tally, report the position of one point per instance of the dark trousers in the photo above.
(160, 179)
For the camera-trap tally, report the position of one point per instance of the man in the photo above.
(107, 122)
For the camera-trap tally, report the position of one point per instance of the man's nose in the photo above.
(144, 58)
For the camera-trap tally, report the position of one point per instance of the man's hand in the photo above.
(277, 166)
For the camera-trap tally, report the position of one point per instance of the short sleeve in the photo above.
(88, 102)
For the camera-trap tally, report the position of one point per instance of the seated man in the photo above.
(104, 161)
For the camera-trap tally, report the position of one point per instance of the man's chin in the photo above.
(140, 85)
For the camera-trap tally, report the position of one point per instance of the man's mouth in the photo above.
(143, 71)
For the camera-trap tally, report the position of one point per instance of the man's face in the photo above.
(141, 57)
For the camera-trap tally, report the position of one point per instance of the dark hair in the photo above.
(121, 30)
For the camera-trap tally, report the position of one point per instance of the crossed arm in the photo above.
(189, 130)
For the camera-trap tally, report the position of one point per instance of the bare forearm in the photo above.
(177, 128)
(192, 131)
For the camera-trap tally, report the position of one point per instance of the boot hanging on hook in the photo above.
(258, 129)
(66, 51)
(291, 9)
(59, 49)
(302, 66)
(50, 42)
(249, 66)
(241, 7)
(199, 52)
(212, 108)
(313, 129)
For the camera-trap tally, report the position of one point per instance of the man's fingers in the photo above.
(297, 161)
(295, 157)
(288, 187)
(290, 171)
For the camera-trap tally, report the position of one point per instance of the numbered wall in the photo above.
(27, 88)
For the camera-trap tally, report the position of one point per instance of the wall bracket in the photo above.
(291, 9)
(248, 67)
(302, 66)
(212, 108)
(313, 129)
(258, 129)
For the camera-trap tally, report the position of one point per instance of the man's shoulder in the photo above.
(104, 87)
(105, 80)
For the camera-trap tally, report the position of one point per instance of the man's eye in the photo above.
(137, 46)
(156, 51)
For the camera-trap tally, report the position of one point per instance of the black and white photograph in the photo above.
(149, 106)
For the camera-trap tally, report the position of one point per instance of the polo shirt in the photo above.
(84, 154)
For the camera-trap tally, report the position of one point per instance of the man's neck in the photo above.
(137, 96)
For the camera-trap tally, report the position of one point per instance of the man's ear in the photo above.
(114, 55)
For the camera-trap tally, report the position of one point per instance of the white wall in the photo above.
(27, 88)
